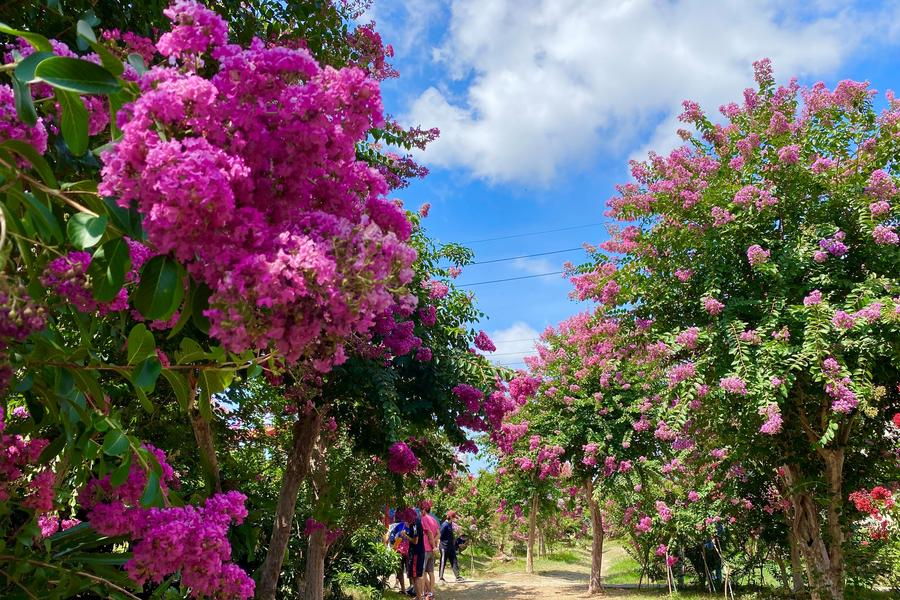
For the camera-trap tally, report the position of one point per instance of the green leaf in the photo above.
(146, 374)
(108, 267)
(39, 42)
(129, 221)
(83, 29)
(85, 230)
(211, 382)
(77, 75)
(161, 288)
(152, 494)
(29, 153)
(179, 385)
(24, 71)
(200, 303)
(74, 121)
(141, 344)
(24, 105)
(44, 220)
(109, 60)
(120, 474)
(137, 61)
(115, 443)
(146, 404)
(189, 351)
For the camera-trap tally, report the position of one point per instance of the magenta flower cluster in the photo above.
(12, 128)
(401, 459)
(772, 414)
(67, 277)
(250, 178)
(189, 540)
(484, 343)
(17, 454)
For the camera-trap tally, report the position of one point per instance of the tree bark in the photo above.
(824, 562)
(305, 432)
(205, 444)
(532, 520)
(796, 564)
(834, 475)
(594, 585)
(542, 548)
(315, 566)
(317, 545)
(203, 435)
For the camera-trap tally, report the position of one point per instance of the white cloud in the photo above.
(513, 344)
(548, 83)
(535, 266)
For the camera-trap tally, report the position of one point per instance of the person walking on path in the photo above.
(400, 546)
(416, 540)
(448, 547)
(431, 529)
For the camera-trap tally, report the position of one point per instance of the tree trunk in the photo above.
(542, 551)
(796, 565)
(315, 566)
(305, 432)
(782, 571)
(594, 585)
(824, 562)
(317, 545)
(532, 520)
(204, 437)
(834, 475)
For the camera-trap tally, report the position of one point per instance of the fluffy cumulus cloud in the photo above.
(526, 88)
(513, 344)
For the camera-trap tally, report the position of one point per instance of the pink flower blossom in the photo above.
(843, 320)
(885, 235)
(401, 459)
(789, 154)
(712, 306)
(814, 298)
(734, 385)
(772, 413)
(483, 342)
(757, 255)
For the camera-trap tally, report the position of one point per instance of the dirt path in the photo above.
(561, 581)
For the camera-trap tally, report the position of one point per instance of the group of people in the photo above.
(416, 535)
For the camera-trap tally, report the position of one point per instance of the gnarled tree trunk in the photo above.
(532, 520)
(824, 560)
(305, 431)
(796, 564)
(594, 585)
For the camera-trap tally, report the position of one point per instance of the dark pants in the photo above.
(448, 554)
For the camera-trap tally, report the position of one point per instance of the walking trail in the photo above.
(560, 580)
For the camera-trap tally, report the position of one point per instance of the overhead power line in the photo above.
(518, 235)
(496, 260)
(520, 352)
(510, 279)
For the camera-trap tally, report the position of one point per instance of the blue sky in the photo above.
(542, 102)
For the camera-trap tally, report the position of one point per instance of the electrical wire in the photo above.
(496, 260)
(518, 235)
(510, 279)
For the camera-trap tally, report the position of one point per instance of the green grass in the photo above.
(621, 568)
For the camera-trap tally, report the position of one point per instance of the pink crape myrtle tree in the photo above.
(179, 214)
(768, 243)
